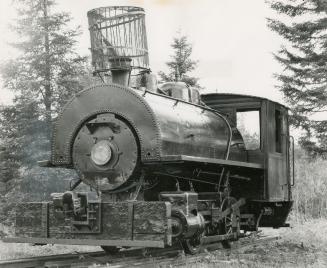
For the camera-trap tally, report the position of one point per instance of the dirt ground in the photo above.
(302, 245)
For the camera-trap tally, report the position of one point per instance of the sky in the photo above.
(230, 39)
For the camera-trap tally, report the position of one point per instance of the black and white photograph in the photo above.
(163, 133)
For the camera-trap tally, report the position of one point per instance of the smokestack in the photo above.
(120, 68)
(118, 41)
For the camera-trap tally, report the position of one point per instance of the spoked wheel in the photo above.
(111, 249)
(231, 221)
(192, 245)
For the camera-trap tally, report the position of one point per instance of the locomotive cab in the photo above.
(264, 127)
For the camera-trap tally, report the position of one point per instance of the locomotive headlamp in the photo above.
(101, 153)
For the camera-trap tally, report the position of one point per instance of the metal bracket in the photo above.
(92, 223)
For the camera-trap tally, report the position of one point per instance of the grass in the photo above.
(303, 245)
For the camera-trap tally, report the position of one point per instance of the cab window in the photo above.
(248, 123)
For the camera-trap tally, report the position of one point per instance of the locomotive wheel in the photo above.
(111, 249)
(192, 245)
(228, 226)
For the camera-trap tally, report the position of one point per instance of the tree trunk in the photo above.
(47, 73)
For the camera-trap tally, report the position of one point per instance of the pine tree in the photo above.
(181, 63)
(47, 67)
(304, 57)
(43, 77)
(9, 143)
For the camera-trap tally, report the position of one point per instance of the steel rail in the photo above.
(39, 261)
(127, 258)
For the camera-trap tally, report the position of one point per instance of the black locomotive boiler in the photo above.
(168, 165)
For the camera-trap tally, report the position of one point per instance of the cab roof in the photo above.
(225, 97)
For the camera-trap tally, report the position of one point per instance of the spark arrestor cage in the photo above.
(118, 38)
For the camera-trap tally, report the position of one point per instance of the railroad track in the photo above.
(130, 257)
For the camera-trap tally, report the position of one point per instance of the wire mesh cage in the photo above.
(118, 38)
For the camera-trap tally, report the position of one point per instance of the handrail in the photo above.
(230, 134)
(293, 162)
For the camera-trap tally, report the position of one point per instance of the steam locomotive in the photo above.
(168, 165)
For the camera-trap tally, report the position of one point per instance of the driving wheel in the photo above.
(231, 222)
(192, 245)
